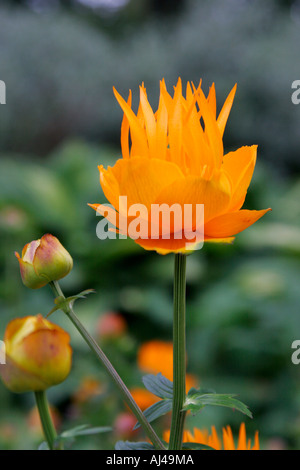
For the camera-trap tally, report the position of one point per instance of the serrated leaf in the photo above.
(195, 446)
(127, 445)
(62, 303)
(155, 411)
(84, 430)
(196, 401)
(158, 385)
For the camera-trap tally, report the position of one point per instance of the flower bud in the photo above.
(111, 325)
(38, 355)
(43, 261)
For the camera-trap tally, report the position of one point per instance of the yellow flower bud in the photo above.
(38, 355)
(43, 261)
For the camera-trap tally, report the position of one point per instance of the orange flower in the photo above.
(38, 355)
(143, 397)
(90, 387)
(157, 356)
(214, 441)
(177, 157)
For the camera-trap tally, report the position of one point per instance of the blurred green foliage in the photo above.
(61, 120)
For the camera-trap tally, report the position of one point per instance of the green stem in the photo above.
(46, 420)
(68, 310)
(179, 353)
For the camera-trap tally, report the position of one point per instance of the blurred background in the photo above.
(59, 60)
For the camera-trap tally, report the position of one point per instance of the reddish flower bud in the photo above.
(43, 261)
(38, 355)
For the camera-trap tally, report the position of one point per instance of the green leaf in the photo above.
(195, 446)
(62, 303)
(127, 445)
(84, 430)
(155, 411)
(158, 385)
(196, 400)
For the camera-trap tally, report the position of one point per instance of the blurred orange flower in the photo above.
(177, 157)
(217, 443)
(90, 387)
(153, 357)
(143, 397)
(157, 356)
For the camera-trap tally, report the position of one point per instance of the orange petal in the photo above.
(214, 194)
(256, 442)
(108, 212)
(125, 131)
(239, 166)
(228, 440)
(175, 127)
(150, 122)
(232, 223)
(195, 142)
(214, 440)
(242, 442)
(138, 135)
(225, 111)
(212, 130)
(162, 129)
(212, 100)
(140, 179)
(164, 247)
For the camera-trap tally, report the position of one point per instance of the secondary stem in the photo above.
(179, 353)
(110, 370)
(46, 420)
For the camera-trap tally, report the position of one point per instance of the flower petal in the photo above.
(137, 131)
(140, 179)
(225, 111)
(239, 166)
(164, 247)
(214, 194)
(150, 122)
(125, 131)
(232, 223)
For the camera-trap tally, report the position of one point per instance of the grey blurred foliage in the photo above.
(60, 72)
